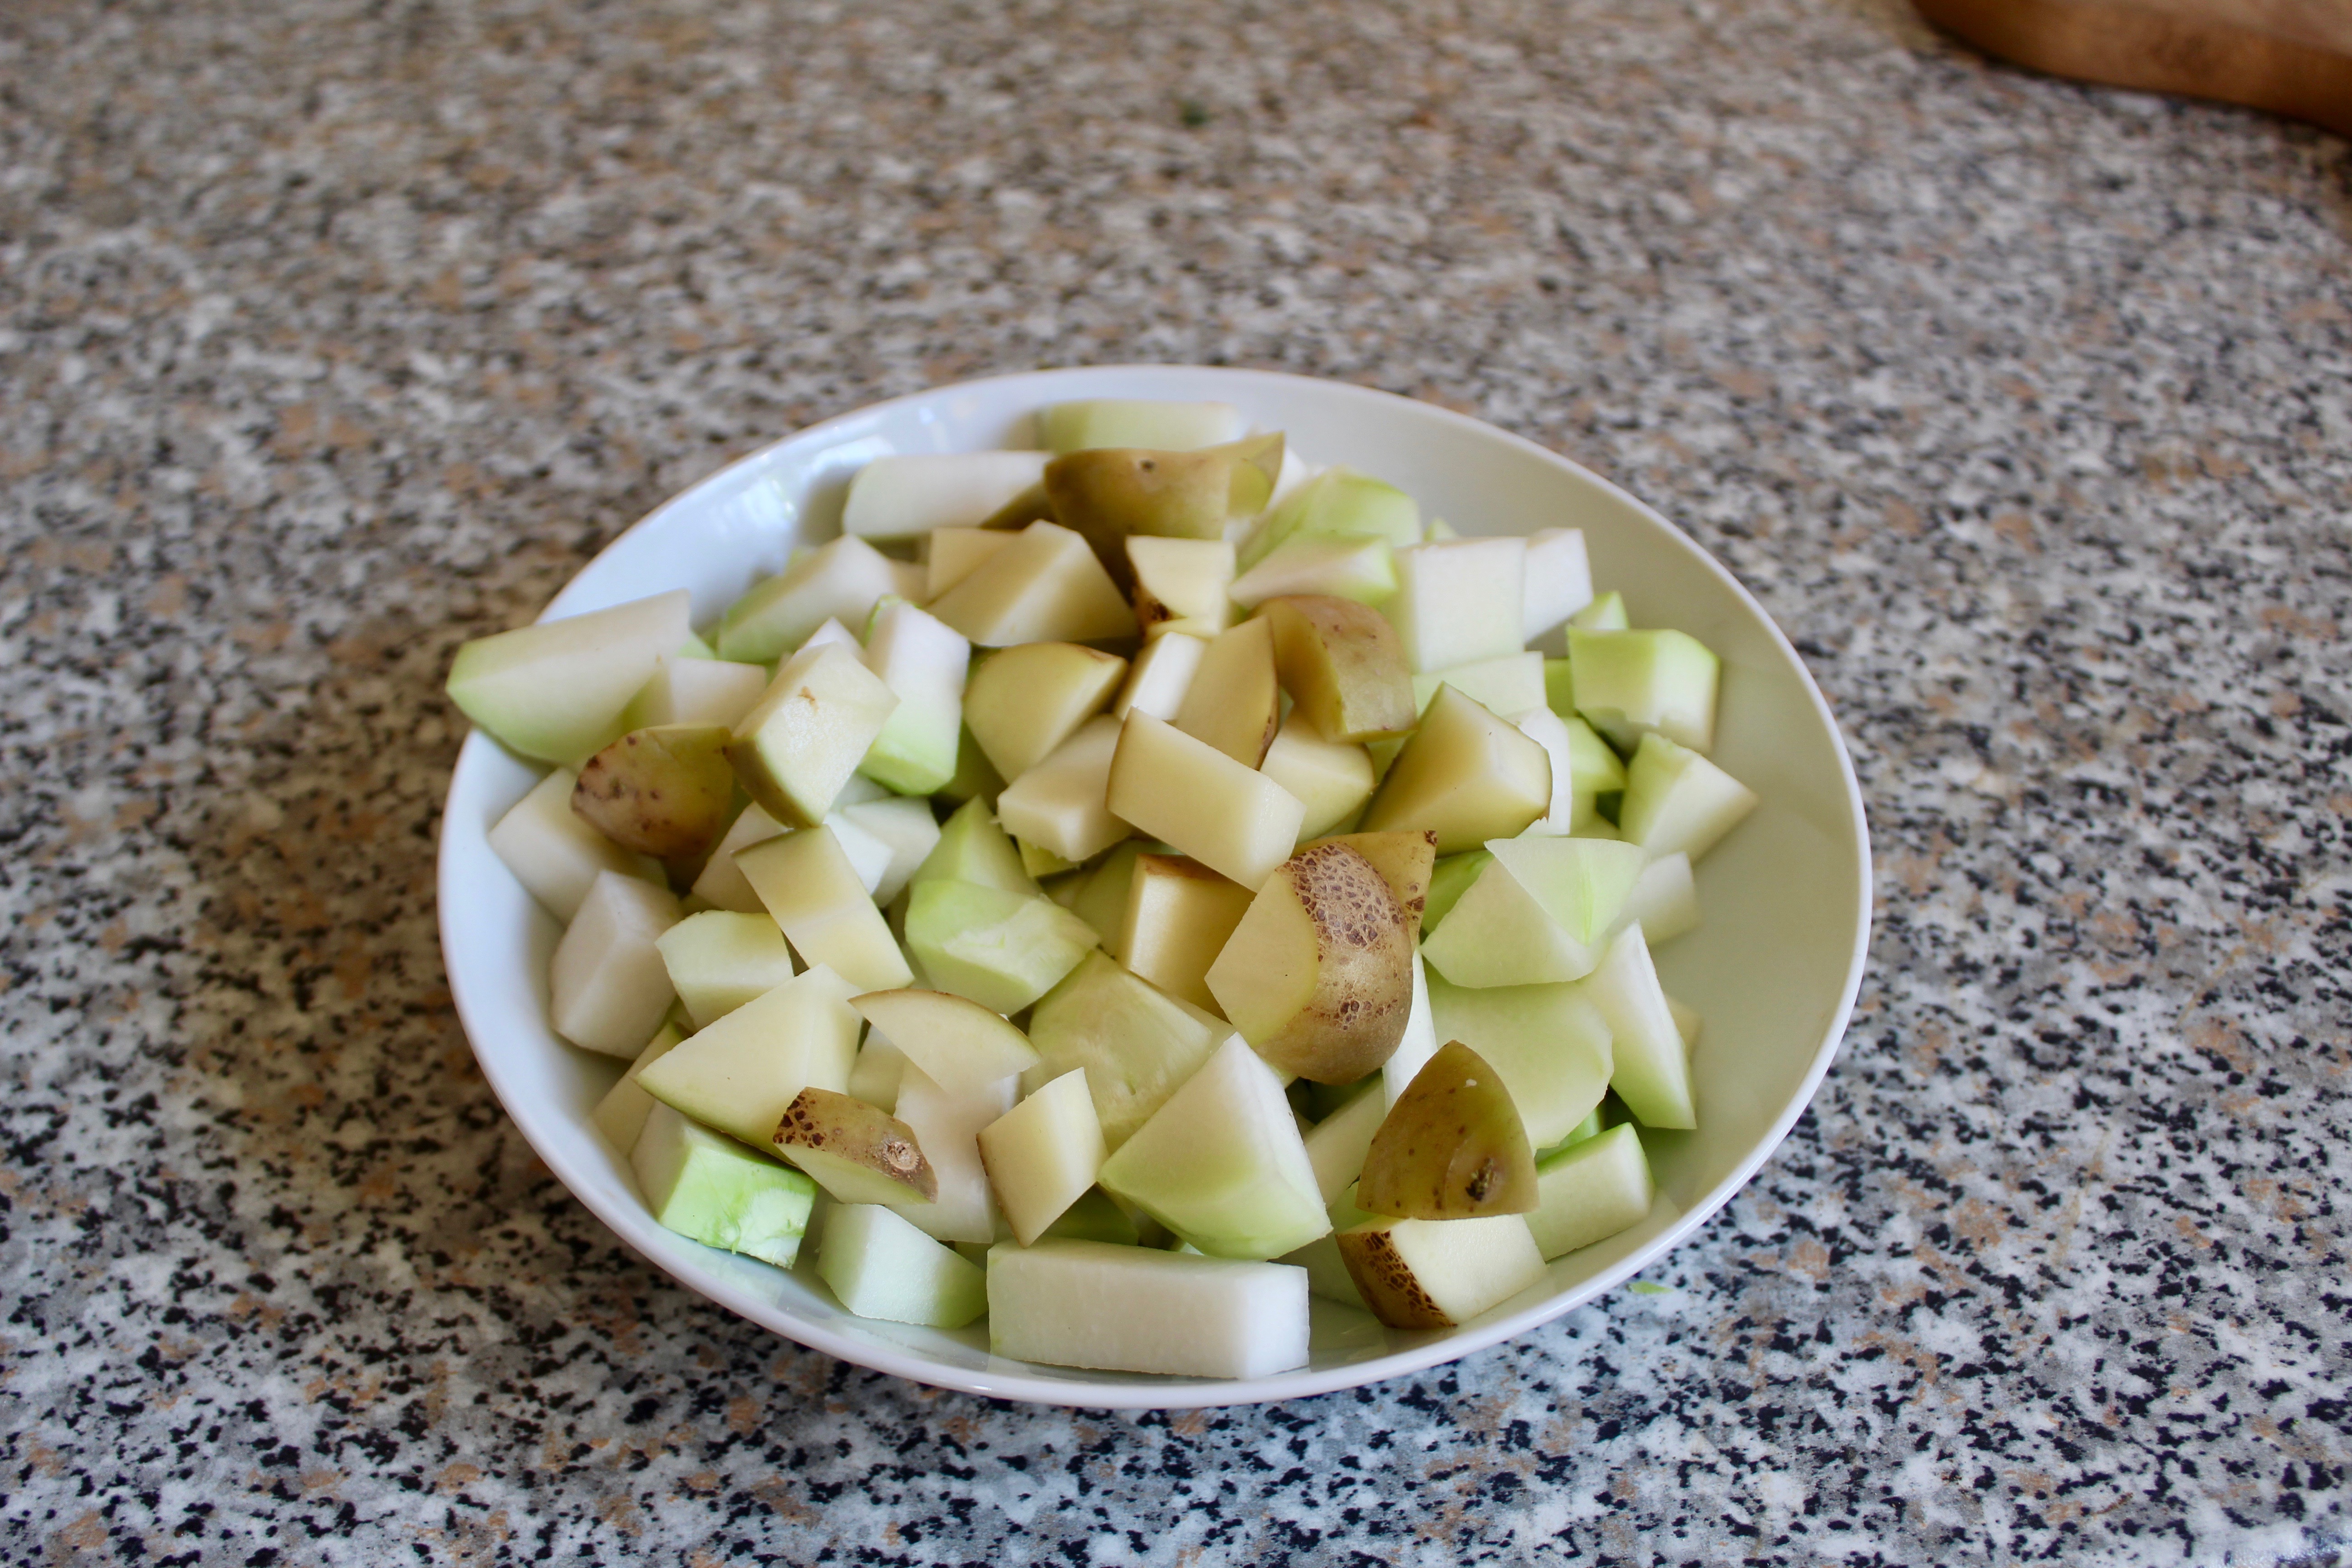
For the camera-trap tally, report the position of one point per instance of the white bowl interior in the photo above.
(1773, 969)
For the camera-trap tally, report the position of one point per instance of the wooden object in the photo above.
(2291, 57)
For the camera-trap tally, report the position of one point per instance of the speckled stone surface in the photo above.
(332, 333)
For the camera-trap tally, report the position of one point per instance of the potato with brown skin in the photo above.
(857, 1152)
(1452, 1147)
(1319, 975)
(1343, 664)
(1108, 492)
(662, 792)
(1407, 856)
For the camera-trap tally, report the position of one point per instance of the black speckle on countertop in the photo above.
(333, 334)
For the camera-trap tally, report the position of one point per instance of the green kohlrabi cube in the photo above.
(711, 1188)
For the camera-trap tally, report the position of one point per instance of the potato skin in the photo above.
(1363, 989)
(1407, 856)
(1452, 1147)
(1344, 664)
(1385, 1282)
(849, 1129)
(662, 792)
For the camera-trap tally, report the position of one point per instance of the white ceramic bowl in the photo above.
(1773, 969)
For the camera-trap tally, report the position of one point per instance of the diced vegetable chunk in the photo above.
(1000, 950)
(882, 1266)
(1087, 1303)
(1044, 1154)
(715, 1191)
(557, 691)
(1221, 1165)
(1436, 1273)
(1591, 1190)
(740, 1074)
(607, 986)
(620, 1116)
(719, 960)
(555, 855)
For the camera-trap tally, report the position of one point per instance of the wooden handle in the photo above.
(2292, 58)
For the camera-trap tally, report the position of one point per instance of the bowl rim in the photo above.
(1172, 1393)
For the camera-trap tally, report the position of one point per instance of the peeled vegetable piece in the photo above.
(721, 883)
(1099, 897)
(1466, 773)
(1452, 877)
(1454, 601)
(1044, 586)
(1665, 901)
(803, 740)
(973, 849)
(556, 690)
(1407, 859)
(662, 792)
(719, 960)
(1178, 917)
(816, 893)
(1161, 674)
(1337, 503)
(1319, 974)
(1044, 1154)
(1558, 581)
(960, 1044)
(607, 987)
(1336, 1146)
(947, 1123)
(739, 1074)
(1605, 613)
(1435, 1274)
(879, 1265)
(1024, 702)
(556, 856)
(1125, 1308)
(1628, 683)
(1549, 731)
(1166, 425)
(1420, 1042)
(923, 663)
(696, 690)
(1363, 570)
(1180, 586)
(858, 1154)
(1510, 684)
(1109, 493)
(1221, 1165)
(905, 827)
(1677, 802)
(1651, 1074)
(713, 1190)
(1540, 913)
(950, 553)
(1189, 794)
(1058, 805)
(1332, 778)
(1550, 1045)
(1343, 666)
(1451, 1148)
(878, 1072)
(840, 581)
(1137, 1044)
(1233, 702)
(903, 495)
(620, 1116)
(1000, 950)
(1591, 1190)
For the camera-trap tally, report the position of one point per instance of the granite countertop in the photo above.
(332, 334)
